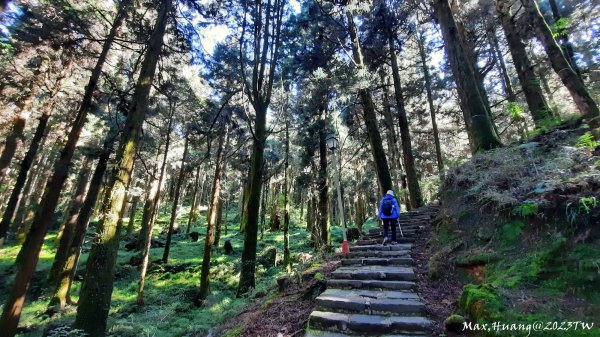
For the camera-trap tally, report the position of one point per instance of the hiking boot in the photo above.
(385, 240)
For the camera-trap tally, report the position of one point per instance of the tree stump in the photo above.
(194, 236)
(228, 248)
(282, 283)
(269, 258)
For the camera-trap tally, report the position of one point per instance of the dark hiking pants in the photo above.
(386, 227)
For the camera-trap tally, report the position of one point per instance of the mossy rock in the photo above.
(454, 323)
(481, 302)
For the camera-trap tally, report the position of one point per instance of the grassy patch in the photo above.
(168, 309)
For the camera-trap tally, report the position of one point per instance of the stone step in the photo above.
(378, 261)
(321, 333)
(369, 325)
(408, 229)
(379, 247)
(375, 253)
(391, 273)
(379, 237)
(370, 284)
(370, 302)
(378, 240)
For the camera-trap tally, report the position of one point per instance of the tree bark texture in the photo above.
(529, 82)
(581, 96)
(427, 78)
(214, 205)
(416, 198)
(40, 131)
(96, 291)
(70, 222)
(370, 118)
(173, 218)
(14, 305)
(62, 287)
(477, 117)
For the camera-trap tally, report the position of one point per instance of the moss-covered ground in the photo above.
(520, 226)
(168, 309)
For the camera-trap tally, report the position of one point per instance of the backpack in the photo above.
(387, 206)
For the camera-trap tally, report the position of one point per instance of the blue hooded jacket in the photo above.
(395, 212)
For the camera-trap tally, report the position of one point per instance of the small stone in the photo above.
(454, 323)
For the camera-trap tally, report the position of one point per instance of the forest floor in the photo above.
(169, 310)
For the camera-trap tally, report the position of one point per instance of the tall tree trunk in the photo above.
(263, 208)
(62, 287)
(32, 181)
(529, 82)
(70, 222)
(131, 221)
(33, 204)
(391, 133)
(173, 218)
(194, 200)
(287, 262)
(379, 158)
(563, 39)
(214, 205)
(96, 290)
(416, 198)
(506, 83)
(218, 222)
(323, 205)
(27, 161)
(153, 193)
(477, 116)
(14, 305)
(427, 78)
(259, 92)
(583, 100)
(247, 280)
(150, 211)
(15, 136)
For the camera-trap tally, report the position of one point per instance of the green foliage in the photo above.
(234, 332)
(587, 140)
(587, 203)
(511, 232)
(525, 209)
(6, 48)
(515, 110)
(545, 125)
(319, 276)
(560, 27)
(481, 301)
(65, 331)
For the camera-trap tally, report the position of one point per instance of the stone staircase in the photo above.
(373, 293)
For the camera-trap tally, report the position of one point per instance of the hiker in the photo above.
(389, 212)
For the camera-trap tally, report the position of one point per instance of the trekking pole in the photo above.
(400, 226)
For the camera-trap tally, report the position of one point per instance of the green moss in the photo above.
(510, 233)
(234, 332)
(481, 302)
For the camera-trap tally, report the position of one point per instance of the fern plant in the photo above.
(587, 203)
(525, 209)
(587, 140)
